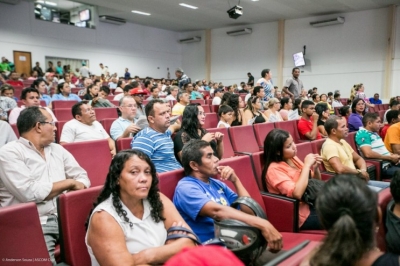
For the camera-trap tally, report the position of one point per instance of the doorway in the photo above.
(22, 62)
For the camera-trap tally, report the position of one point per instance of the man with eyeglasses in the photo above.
(35, 169)
(138, 94)
(125, 126)
(84, 127)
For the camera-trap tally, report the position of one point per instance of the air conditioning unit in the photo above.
(10, 2)
(240, 32)
(112, 20)
(189, 40)
(328, 22)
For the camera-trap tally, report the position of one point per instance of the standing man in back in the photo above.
(293, 85)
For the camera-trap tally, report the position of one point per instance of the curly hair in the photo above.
(112, 188)
(190, 121)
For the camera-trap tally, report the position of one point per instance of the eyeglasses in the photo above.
(139, 95)
(45, 122)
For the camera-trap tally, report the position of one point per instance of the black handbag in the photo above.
(314, 186)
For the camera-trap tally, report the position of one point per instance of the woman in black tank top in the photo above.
(252, 114)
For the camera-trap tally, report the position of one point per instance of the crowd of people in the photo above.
(132, 220)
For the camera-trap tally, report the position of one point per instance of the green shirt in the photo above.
(368, 138)
(4, 67)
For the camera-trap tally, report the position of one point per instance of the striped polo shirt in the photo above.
(159, 147)
(368, 138)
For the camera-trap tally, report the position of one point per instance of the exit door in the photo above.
(23, 62)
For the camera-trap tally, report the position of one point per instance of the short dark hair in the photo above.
(146, 83)
(331, 123)
(127, 88)
(306, 103)
(336, 95)
(89, 87)
(180, 93)
(284, 101)
(330, 94)
(223, 109)
(28, 118)
(186, 85)
(393, 103)
(256, 90)
(149, 108)
(369, 117)
(320, 108)
(395, 187)
(119, 83)
(134, 84)
(153, 88)
(76, 108)
(392, 114)
(295, 69)
(192, 152)
(96, 81)
(6, 87)
(344, 110)
(106, 89)
(36, 82)
(264, 71)
(354, 105)
(28, 90)
(314, 96)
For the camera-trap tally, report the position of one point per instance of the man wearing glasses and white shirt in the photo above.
(124, 126)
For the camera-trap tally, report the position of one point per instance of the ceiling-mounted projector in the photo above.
(235, 12)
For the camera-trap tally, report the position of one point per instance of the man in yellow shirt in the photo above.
(179, 107)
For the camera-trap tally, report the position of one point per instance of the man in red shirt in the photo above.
(393, 117)
(307, 126)
(14, 80)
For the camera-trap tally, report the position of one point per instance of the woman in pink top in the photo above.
(287, 175)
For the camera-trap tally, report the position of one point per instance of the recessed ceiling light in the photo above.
(255, 0)
(50, 3)
(188, 6)
(141, 13)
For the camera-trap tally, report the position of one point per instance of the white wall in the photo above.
(395, 90)
(144, 50)
(193, 56)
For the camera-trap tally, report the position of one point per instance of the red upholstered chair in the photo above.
(299, 256)
(59, 126)
(373, 109)
(22, 235)
(291, 127)
(107, 122)
(209, 101)
(200, 101)
(384, 197)
(303, 149)
(385, 106)
(316, 146)
(93, 156)
(15, 129)
(102, 113)
(211, 121)
(378, 107)
(214, 108)
(243, 139)
(62, 105)
(73, 210)
(261, 131)
(206, 108)
(63, 114)
(228, 150)
(168, 181)
(382, 114)
(124, 143)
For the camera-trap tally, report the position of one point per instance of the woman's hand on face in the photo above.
(208, 137)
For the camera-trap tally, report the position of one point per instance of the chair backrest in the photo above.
(228, 149)
(59, 126)
(291, 127)
(211, 120)
(63, 114)
(15, 129)
(316, 146)
(73, 210)
(107, 122)
(261, 130)
(382, 114)
(379, 107)
(206, 108)
(93, 156)
(102, 113)
(22, 235)
(168, 181)
(303, 149)
(258, 165)
(124, 143)
(200, 101)
(350, 139)
(214, 108)
(63, 104)
(243, 139)
(384, 197)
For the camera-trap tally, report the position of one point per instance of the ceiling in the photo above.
(169, 15)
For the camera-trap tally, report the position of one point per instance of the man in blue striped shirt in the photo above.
(155, 140)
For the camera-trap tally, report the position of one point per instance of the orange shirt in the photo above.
(281, 179)
(392, 136)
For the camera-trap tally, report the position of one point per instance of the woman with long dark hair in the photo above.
(348, 211)
(233, 101)
(322, 110)
(129, 222)
(357, 113)
(284, 173)
(192, 128)
(252, 114)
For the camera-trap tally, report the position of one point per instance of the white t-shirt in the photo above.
(118, 97)
(216, 101)
(170, 98)
(75, 131)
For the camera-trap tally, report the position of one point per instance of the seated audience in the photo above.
(349, 213)
(315, 98)
(375, 99)
(35, 169)
(40, 85)
(195, 93)
(120, 86)
(284, 173)
(102, 99)
(172, 93)
(7, 90)
(323, 113)
(357, 112)
(7, 133)
(272, 113)
(225, 113)
(154, 91)
(252, 114)
(130, 219)
(201, 199)
(393, 105)
(138, 95)
(64, 93)
(86, 83)
(14, 80)
(125, 126)
(29, 97)
(183, 101)
(308, 123)
(297, 106)
(125, 91)
(324, 99)
(260, 93)
(67, 79)
(345, 112)
(192, 128)
(234, 103)
(84, 127)
(393, 117)
(340, 158)
(155, 140)
(372, 147)
(113, 83)
(286, 108)
(393, 216)
(92, 91)
(336, 101)
(330, 98)
(6, 104)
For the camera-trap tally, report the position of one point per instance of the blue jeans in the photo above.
(51, 235)
(377, 185)
(312, 221)
(389, 171)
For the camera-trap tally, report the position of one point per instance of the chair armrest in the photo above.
(325, 176)
(378, 167)
(282, 212)
(240, 153)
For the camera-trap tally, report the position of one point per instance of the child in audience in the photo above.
(225, 113)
